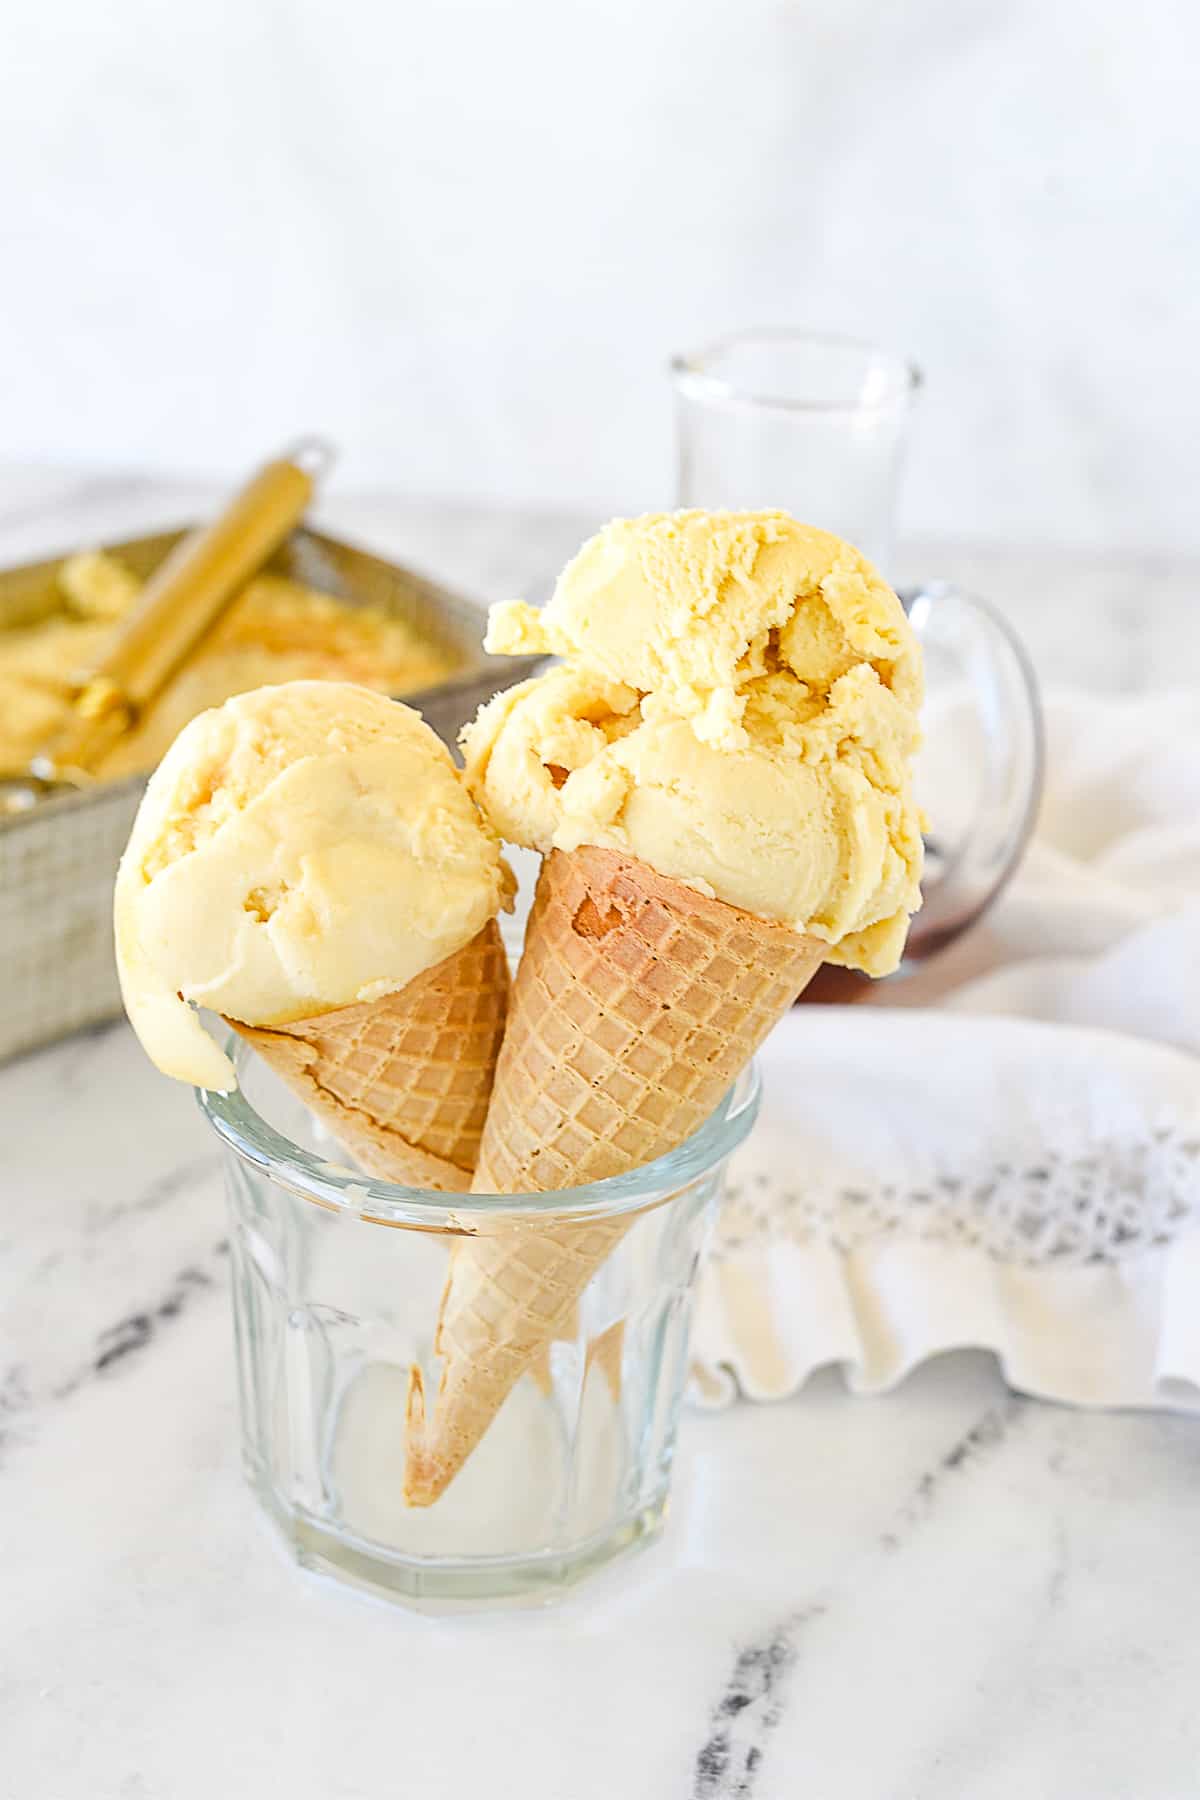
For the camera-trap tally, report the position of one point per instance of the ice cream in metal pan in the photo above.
(321, 608)
(276, 630)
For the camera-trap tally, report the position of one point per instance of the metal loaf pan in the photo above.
(59, 860)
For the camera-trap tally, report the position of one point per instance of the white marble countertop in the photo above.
(946, 1594)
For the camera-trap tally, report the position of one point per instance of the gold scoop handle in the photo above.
(181, 601)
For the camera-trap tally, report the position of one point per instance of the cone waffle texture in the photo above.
(403, 1082)
(637, 1003)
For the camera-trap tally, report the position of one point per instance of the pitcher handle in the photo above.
(980, 675)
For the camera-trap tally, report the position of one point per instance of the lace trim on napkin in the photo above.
(1117, 1200)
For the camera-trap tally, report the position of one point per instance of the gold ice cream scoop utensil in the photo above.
(179, 604)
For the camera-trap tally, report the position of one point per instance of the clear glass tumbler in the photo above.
(337, 1281)
(813, 424)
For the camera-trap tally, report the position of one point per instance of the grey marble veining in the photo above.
(946, 1594)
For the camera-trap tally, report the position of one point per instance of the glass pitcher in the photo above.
(818, 425)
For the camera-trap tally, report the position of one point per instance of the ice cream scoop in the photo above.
(299, 850)
(808, 820)
(691, 607)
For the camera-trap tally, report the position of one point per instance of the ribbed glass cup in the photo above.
(337, 1282)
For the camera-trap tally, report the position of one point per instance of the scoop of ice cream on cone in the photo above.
(809, 822)
(300, 849)
(689, 608)
(307, 862)
(719, 778)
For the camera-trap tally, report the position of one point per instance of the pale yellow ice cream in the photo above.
(770, 766)
(690, 607)
(298, 849)
(275, 631)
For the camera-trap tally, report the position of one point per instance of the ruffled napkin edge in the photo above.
(1127, 1334)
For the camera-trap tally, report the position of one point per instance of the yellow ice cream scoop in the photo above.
(299, 849)
(690, 607)
(809, 821)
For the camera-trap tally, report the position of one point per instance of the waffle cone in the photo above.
(637, 1003)
(403, 1082)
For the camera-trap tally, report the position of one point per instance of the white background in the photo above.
(464, 235)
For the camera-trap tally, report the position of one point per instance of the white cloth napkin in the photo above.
(1003, 1150)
